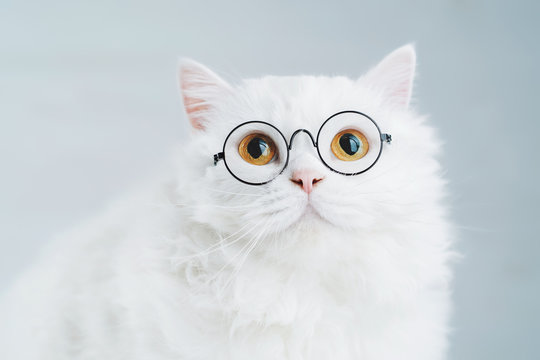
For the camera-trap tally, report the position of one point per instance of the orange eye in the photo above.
(257, 149)
(349, 145)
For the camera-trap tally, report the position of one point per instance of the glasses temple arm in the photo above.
(386, 138)
(218, 157)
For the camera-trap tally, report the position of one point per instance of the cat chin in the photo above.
(309, 220)
(313, 216)
(314, 219)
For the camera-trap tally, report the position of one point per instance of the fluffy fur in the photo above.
(206, 267)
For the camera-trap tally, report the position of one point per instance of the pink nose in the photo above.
(306, 179)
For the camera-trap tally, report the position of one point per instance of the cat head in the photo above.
(307, 195)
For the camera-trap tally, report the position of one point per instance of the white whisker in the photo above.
(196, 206)
(255, 241)
(219, 245)
(233, 193)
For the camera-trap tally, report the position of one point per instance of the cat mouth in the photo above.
(306, 215)
(311, 214)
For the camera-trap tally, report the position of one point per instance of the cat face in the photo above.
(307, 194)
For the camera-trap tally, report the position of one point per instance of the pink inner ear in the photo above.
(402, 94)
(195, 107)
(394, 74)
(396, 79)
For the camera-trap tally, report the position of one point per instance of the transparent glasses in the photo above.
(348, 143)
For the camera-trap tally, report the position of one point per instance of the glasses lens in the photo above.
(255, 152)
(349, 143)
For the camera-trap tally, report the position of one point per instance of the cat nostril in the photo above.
(306, 180)
(301, 182)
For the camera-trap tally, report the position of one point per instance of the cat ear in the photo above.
(394, 75)
(200, 88)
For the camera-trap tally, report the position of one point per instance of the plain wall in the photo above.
(89, 102)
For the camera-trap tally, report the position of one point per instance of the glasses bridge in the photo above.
(299, 131)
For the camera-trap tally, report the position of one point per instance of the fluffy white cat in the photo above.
(312, 264)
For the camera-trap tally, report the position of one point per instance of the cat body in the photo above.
(204, 266)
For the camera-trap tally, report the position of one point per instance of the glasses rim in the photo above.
(225, 158)
(383, 137)
(380, 142)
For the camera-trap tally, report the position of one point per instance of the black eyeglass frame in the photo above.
(384, 137)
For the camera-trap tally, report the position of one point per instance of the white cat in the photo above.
(310, 264)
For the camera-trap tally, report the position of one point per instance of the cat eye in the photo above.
(348, 143)
(257, 149)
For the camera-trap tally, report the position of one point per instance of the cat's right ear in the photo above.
(394, 75)
(200, 88)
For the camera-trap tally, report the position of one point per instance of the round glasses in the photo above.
(256, 152)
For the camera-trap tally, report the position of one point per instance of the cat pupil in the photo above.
(257, 147)
(349, 143)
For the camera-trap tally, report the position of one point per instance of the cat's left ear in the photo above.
(200, 88)
(394, 75)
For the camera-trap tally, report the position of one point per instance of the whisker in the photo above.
(253, 243)
(227, 207)
(195, 206)
(216, 275)
(275, 207)
(233, 193)
(452, 225)
(346, 201)
(381, 174)
(218, 246)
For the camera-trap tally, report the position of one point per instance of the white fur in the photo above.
(209, 268)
